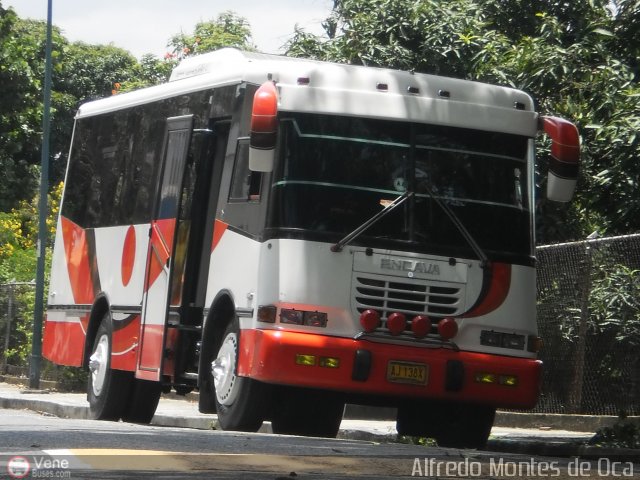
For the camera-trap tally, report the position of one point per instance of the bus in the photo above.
(286, 236)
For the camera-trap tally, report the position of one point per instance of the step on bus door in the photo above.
(160, 258)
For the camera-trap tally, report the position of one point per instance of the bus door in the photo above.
(166, 244)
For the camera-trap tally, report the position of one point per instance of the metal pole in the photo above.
(36, 346)
(574, 404)
(9, 318)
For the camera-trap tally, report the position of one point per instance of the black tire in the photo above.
(206, 386)
(241, 402)
(309, 413)
(107, 389)
(451, 424)
(143, 401)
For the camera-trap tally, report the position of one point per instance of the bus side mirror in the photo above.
(264, 128)
(565, 158)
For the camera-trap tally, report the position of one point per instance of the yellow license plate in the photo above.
(407, 372)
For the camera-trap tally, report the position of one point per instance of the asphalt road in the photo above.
(52, 447)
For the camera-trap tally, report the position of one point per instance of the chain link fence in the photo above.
(16, 311)
(589, 318)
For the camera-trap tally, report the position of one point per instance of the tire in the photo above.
(454, 425)
(309, 413)
(107, 389)
(206, 386)
(143, 401)
(241, 402)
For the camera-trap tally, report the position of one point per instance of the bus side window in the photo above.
(245, 184)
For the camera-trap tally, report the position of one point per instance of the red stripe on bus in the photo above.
(495, 294)
(63, 342)
(76, 252)
(219, 227)
(128, 255)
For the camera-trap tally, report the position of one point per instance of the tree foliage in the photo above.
(578, 59)
(20, 108)
(81, 72)
(226, 30)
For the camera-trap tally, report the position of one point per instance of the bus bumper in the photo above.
(370, 368)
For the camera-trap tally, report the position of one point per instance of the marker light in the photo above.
(447, 328)
(420, 326)
(486, 378)
(292, 317)
(267, 313)
(306, 360)
(264, 116)
(534, 344)
(264, 128)
(329, 362)
(508, 380)
(370, 320)
(315, 319)
(396, 323)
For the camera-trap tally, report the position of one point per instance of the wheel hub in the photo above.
(98, 364)
(223, 369)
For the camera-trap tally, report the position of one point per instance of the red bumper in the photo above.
(270, 356)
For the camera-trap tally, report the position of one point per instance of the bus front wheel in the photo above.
(451, 424)
(309, 413)
(241, 402)
(107, 389)
(143, 402)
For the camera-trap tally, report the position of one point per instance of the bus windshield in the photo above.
(334, 173)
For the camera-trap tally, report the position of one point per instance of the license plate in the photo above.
(407, 372)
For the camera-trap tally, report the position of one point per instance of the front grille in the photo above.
(407, 296)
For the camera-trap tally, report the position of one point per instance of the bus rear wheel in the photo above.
(305, 412)
(451, 424)
(107, 389)
(241, 402)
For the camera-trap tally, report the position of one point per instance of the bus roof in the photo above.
(331, 88)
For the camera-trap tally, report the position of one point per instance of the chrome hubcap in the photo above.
(223, 369)
(98, 364)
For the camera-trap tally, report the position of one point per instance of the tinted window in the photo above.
(115, 160)
(335, 173)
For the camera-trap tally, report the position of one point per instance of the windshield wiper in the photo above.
(484, 259)
(382, 213)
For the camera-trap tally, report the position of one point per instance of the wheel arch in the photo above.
(99, 308)
(221, 312)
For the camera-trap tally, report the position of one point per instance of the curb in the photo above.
(550, 449)
(555, 421)
(47, 406)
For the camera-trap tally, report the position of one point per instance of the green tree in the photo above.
(21, 74)
(80, 72)
(226, 30)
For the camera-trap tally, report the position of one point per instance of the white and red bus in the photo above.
(285, 236)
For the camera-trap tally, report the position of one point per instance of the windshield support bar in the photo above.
(382, 213)
(484, 260)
